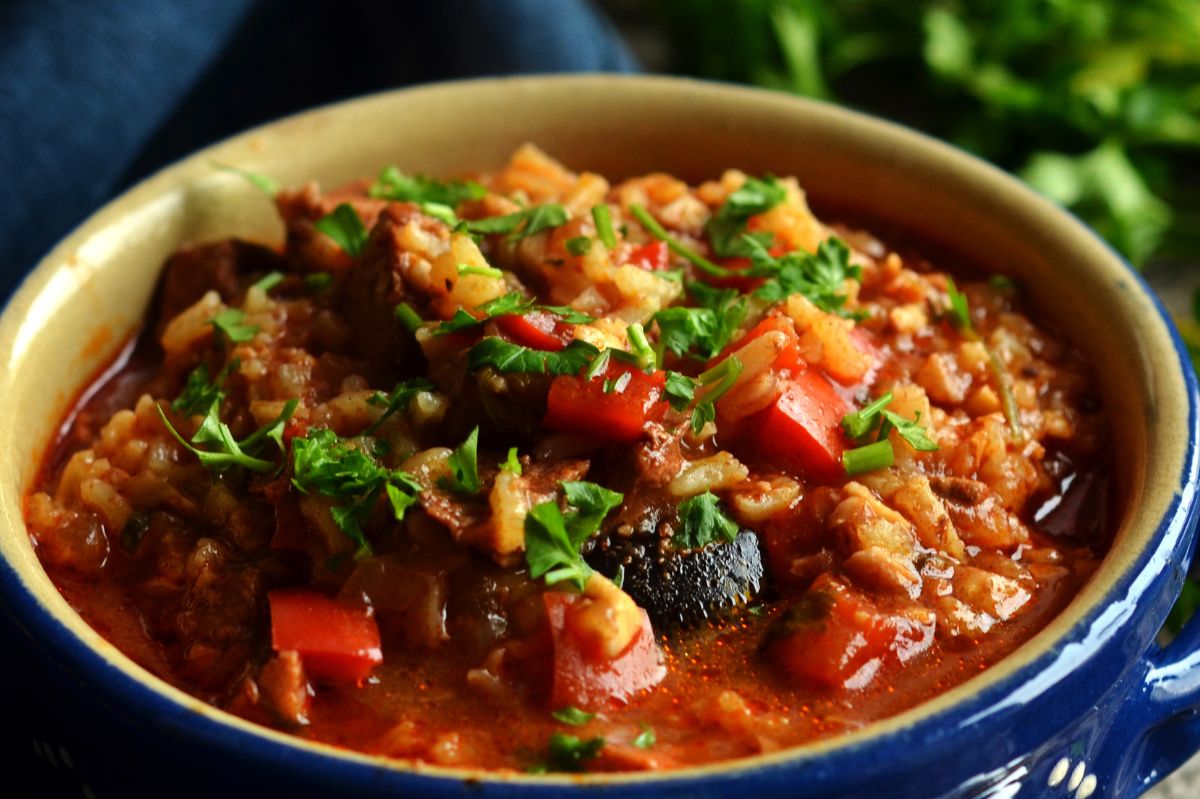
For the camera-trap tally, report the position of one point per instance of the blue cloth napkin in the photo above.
(94, 96)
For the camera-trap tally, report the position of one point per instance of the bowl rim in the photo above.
(146, 696)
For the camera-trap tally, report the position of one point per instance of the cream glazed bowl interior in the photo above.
(1091, 691)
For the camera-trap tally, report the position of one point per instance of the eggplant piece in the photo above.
(682, 588)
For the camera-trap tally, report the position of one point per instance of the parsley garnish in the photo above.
(464, 467)
(726, 228)
(568, 753)
(268, 186)
(408, 318)
(959, 314)
(646, 738)
(198, 393)
(506, 357)
(482, 271)
(820, 278)
(512, 303)
(229, 323)
(721, 377)
(572, 715)
(552, 539)
(333, 468)
(525, 222)
(868, 458)
(702, 332)
(680, 390)
(268, 281)
(396, 400)
(701, 523)
(318, 282)
(604, 228)
(229, 451)
(395, 185)
(345, 227)
(512, 463)
(875, 418)
(580, 245)
(643, 353)
(687, 253)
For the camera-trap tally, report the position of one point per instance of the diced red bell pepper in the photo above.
(338, 642)
(652, 257)
(579, 405)
(802, 428)
(584, 682)
(834, 638)
(539, 330)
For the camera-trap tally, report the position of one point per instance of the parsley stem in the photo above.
(659, 232)
(869, 458)
(646, 358)
(482, 271)
(960, 318)
(726, 372)
(268, 281)
(604, 229)
(859, 423)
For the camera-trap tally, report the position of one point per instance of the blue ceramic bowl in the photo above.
(1092, 705)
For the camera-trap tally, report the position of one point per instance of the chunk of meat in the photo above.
(978, 514)
(196, 269)
(284, 688)
(409, 602)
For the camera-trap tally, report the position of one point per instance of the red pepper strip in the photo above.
(652, 257)
(802, 429)
(583, 682)
(579, 405)
(337, 642)
(537, 330)
(834, 638)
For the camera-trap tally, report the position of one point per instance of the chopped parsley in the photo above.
(227, 451)
(702, 332)
(726, 228)
(959, 311)
(481, 271)
(680, 390)
(408, 318)
(656, 230)
(464, 467)
(868, 458)
(267, 185)
(701, 523)
(572, 715)
(580, 245)
(643, 353)
(345, 227)
(396, 185)
(396, 400)
(511, 303)
(646, 739)
(820, 277)
(874, 420)
(230, 323)
(318, 282)
(568, 753)
(268, 281)
(604, 227)
(520, 224)
(721, 378)
(552, 539)
(512, 463)
(324, 464)
(199, 394)
(959, 314)
(506, 357)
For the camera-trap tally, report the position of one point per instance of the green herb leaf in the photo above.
(268, 186)
(643, 353)
(230, 324)
(911, 431)
(396, 185)
(396, 400)
(549, 550)
(580, 245)
(701, 523)
(525, 222)
(717, 380)
(229, 452)
(512, 303)
(409, 319)
(702, 332)
(569, 753)
(646, 739)
(512, 463)
(464, 465)
(726, 227)
(820, 278)
(318, 282)
(506, 357)
(959, 310)
(345, 227)
(572, 715)
(860, 423)
(198, 393)
(679, 390)
(656, 230)
(592, 503)
(324, 464)
(481, 271)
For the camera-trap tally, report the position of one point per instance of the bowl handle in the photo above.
(1158, 728)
